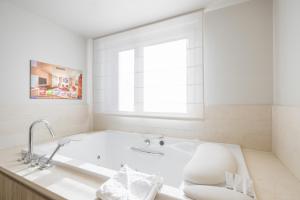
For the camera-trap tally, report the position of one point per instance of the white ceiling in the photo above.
(94, 18)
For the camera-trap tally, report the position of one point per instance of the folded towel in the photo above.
(128, 184)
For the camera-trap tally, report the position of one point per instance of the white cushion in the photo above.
(209, 164)
(205, 192)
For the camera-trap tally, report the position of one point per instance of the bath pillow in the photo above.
(209, 164)
(206, 192)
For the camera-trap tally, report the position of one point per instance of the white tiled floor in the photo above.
(273, 181)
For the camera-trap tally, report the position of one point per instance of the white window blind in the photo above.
(155, 70)
(126, 80)
(165, 77)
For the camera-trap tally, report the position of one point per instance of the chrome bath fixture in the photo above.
(160, 138)
(146, 150)
(147, 141)
(29, 155)
(46, 162)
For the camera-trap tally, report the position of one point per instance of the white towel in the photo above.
(128, 184)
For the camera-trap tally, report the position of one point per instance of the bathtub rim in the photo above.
(105, 173)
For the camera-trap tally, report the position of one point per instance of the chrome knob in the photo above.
(147, 141)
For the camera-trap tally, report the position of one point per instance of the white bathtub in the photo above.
(101, 153)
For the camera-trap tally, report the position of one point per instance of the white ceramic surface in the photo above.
(113, 148)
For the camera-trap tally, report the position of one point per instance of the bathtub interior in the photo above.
(108, 150)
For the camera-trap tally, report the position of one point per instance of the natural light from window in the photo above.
(165, 82)
(126, 80)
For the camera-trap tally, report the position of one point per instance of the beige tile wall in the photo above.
(65, 119)
(286, 136)
(247, 125)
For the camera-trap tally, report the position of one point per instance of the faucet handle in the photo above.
(147, 141)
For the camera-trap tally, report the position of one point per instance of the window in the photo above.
(126, 80)
(165, 77)
(153, 71)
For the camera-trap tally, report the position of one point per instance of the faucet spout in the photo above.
(30, 141)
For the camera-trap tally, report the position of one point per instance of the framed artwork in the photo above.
(49, 81)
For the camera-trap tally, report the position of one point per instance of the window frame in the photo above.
(188, 27)
(139, 63)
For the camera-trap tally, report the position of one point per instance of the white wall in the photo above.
(25, 36)
(242, 73)
(238, 72)
(287, 52)
(286, 111)
(238, 54)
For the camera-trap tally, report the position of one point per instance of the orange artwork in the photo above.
(54, 82)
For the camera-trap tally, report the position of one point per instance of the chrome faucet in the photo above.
(29, 155)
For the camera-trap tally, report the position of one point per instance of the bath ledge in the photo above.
(166, 193)
(39, 181)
